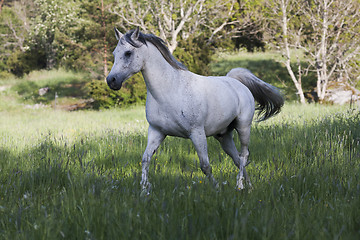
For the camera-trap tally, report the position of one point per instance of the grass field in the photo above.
(76, 175)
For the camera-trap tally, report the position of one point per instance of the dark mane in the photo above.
(159, 44)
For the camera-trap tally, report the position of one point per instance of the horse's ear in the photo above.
(135, 34)
(118, 34)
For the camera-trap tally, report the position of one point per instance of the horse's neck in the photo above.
(160, 77)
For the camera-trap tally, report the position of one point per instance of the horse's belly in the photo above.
(215, 126)
(181, 125)
(171, 124)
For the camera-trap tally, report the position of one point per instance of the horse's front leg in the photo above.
(198, 138)
(155, 137)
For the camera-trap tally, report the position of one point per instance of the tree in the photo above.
(166, 18)
(174, 20)
(14, 29)
(95, 31)
(106, 72)
(16, 25)
(241, 21)
(1, 4)
(285, 28)
(326, 32)
(54, 19)
(332, 39)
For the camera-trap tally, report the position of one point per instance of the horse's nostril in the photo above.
(110, 79)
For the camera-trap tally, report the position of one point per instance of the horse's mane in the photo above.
(159, 44)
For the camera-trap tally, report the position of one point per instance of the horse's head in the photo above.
(128, 59)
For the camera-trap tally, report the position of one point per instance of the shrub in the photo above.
(21, 63)
(132, 92)
(196, 54)
(6, 75)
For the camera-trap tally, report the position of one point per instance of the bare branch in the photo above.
(174, 19)
(1, 4)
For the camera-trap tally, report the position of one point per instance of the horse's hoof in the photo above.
(146, 189)
(144, 193)
(240, 186)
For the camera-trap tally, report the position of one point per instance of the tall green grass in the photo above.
(76, 176)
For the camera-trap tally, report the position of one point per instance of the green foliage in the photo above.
(104, 97)
(76, 176)
(196, 54)
(54, 18)
(14, 25)
(21, 63)
(5, 75)
(248, 19)
(132, 92)
(78, 35)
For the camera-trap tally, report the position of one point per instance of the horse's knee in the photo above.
(205, 168)
(245, 153)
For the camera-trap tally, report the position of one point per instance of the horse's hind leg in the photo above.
(227, 143)
(198, 138)
(243, 129)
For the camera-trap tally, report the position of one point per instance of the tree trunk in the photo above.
(50, 55)
(321, 56)
(1, 4)
(106, 71)
(296, 81)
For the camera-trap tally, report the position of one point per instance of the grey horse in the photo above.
(183, 104)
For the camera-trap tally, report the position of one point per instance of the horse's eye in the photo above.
(128, 54)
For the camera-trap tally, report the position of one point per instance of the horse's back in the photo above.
(230, 92)
(226, 99)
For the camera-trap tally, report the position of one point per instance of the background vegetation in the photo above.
(317, 41)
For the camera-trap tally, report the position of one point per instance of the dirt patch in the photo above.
(3, 88)
(79, 105)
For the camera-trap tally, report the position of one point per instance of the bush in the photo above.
(195, 54)
(21, 63)
(4, 75)
(132, 92)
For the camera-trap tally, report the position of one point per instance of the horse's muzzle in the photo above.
(112, 83)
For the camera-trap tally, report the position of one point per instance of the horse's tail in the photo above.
(269, 98)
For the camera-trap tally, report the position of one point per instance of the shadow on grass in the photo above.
(306, 182)
(276, 150)
(29, 90)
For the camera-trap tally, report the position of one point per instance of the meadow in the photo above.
(76, 175)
